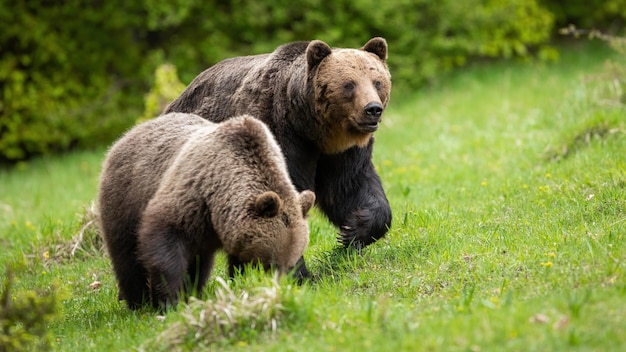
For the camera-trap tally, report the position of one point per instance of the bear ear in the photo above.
(307, 199)
(316, 52)
(377, 46)
(267, 204)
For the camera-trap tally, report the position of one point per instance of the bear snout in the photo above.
(373, 111)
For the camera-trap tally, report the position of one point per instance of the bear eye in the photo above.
(378, 84)
(349, 86)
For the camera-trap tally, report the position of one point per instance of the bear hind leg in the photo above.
(165, 257)
(130, 274)
(133, 285)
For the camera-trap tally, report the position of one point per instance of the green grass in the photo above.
(508, 186)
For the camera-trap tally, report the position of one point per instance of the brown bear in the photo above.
(323, 106)
(176, 189)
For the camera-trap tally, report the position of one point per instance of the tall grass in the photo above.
(508, 186)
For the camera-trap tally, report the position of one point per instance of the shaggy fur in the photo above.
(323, 105)
(176, 189)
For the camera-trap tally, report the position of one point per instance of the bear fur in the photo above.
(176, 189)
(323, 106)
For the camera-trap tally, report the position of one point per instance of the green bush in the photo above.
(600, 14)
(73, 74)
(425, 37)
(167, 87)
(65, 69)
(23, 319)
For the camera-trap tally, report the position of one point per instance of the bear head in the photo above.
(351, 90)
(276, 232)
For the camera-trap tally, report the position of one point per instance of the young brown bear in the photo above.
(323, 105)
(176, 189)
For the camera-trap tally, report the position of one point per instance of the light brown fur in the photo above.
(350, 79)
(176, 189)
(323, 105)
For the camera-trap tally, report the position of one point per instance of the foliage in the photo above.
(425, 37)
(61, 75)
(603, 14)
(73, 74)
(166, 88)
(23, 319)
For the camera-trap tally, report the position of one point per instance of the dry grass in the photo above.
(228, 317)
(86, 243)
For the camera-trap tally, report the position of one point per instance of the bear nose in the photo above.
(373, 109)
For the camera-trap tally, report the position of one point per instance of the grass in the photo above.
(508, 186)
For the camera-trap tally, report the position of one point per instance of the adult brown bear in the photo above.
(323, 106)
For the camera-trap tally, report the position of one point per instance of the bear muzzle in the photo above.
(373, 112)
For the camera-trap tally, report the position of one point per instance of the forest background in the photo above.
(74, 74)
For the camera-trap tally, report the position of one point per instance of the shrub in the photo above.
(73, 74)
(62, 75)
(425, 37)
(23, 319)
(602, 14)
(167, 87)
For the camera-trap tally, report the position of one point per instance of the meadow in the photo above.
(508, 188)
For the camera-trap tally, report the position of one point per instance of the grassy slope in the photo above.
(508, 186)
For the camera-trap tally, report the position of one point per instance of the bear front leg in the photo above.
(199, 271)
(165, 257)
(300, 271)
(234, 266)
(349, 191)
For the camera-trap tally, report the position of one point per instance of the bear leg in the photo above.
(199, 271)
(165, 257)
(133, 285)
(121, 241)
(234, 266)
(349, 191)
(300, 271)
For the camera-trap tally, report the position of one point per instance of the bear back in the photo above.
(231, 179)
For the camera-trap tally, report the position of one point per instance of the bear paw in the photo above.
(363, 227)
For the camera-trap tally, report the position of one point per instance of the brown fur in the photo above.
(345, 83)
(317, 102)
(301, 91)
(176, 189)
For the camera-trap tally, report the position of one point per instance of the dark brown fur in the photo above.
(323, 105)
(176, 189)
